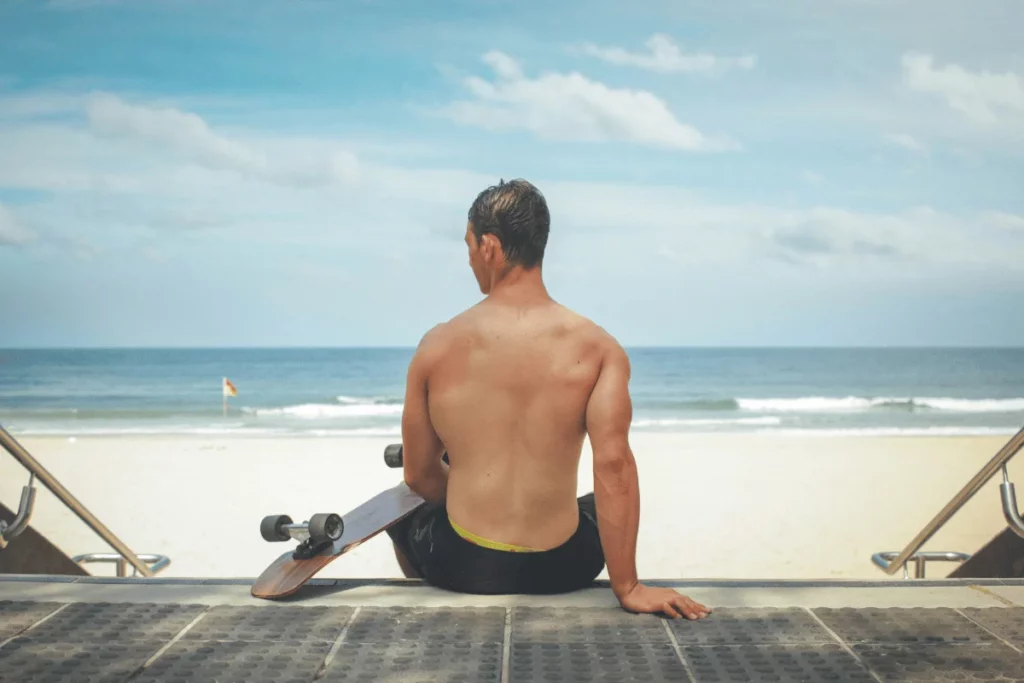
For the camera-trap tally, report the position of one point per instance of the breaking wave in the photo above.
(820, 404)
(891, 431)
(346, 406)
(679, 422)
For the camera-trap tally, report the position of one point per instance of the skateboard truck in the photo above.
(321, 531)
(393, 456)
(294, 568)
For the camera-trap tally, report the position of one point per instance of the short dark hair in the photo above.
(517, 214)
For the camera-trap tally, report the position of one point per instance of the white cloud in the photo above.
(12, 232)
(1005, 221)
(813, 178)
(188, 134)
(124, 185)
(33, 104)
(704, 232)
(982, 96)
(664, 56)
(184, 131)
(907, 142)
(571, 107)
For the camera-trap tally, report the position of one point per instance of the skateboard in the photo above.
(328, 536)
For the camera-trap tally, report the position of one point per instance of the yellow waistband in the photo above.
(493, 545)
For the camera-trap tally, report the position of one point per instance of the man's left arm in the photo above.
(422, 449)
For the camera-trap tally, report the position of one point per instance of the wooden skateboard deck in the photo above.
(287, 575)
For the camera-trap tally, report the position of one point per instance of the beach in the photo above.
(712, 505)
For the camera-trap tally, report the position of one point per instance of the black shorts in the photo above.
(447, 560)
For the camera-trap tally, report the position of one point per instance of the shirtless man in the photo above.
(509, 389)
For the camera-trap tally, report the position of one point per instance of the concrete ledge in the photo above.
(709, 583)
(370, 592)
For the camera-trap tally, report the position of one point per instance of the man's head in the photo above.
(508, 228)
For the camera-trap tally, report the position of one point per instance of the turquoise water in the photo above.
(338, 392)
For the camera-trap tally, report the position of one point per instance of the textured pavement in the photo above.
(904, 635)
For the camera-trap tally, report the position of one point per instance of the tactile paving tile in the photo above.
(237, 662)
(15, 617)
(903, 625)
(742, 625)
(271, 623)
(812, 662)
(1005, 622)
(447, 624)
(585, 662)
(27, 660)
(585, 625)
(411, 662)
(83, 622)
(943, 662)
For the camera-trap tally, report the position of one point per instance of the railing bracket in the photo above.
(1010, 509)
(884, 560)
(154, 562)
(8, 532)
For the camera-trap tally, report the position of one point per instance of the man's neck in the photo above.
(520, 286)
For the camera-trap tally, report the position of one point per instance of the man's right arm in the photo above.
(617, 491)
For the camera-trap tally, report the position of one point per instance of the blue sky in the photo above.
(298, 173)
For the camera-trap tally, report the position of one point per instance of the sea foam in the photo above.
(681, 422)
(318, 411)
(821, 404)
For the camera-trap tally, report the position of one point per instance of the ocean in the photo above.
(358, 392)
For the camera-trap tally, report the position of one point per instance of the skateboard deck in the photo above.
(288, 574)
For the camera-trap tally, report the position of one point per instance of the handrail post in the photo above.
(919, 567)
(965, 494)
(49, 481)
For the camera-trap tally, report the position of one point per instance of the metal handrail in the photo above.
(12, 446)
(159, 561)
(993, 466)
(919, 560)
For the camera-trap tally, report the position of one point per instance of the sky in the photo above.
(298, 173)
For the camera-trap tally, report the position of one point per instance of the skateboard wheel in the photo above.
(393, 455)
(325, 527)
(272, 528)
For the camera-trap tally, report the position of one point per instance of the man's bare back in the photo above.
(507, 394)
(510, 389)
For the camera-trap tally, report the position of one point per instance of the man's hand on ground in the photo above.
(648, 599)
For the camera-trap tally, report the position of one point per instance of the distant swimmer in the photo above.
(509, 389)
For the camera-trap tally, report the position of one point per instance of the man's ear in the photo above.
(491, 247)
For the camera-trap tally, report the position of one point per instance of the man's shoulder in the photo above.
(435, 338)
(592, 331)
(442, 336)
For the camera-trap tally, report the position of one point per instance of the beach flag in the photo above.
(228, 389)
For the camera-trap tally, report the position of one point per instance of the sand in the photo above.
(712, 506)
